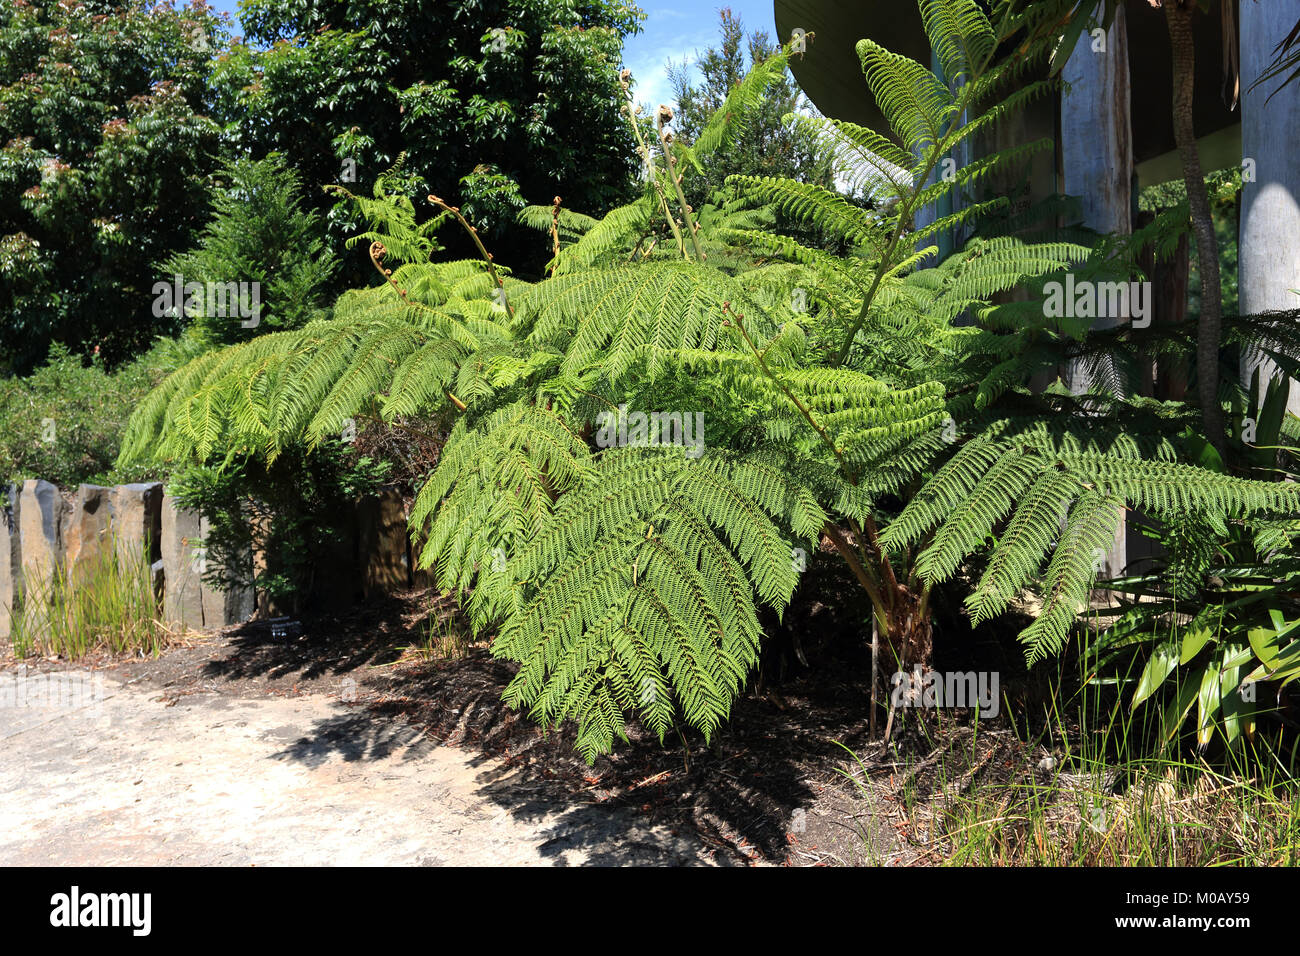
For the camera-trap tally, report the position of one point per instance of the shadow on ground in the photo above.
(747, 795)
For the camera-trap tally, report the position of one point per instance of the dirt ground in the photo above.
(341, 745)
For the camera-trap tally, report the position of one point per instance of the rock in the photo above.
(421, 578)
(265, 605)
(137, 519)
(86, 531)
(382, 543)
(157, 579)
(235, 605)
(182, 556)
(38, 520)
(7, 542)
(336, 578)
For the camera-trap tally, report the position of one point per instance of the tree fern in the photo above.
(843, 401)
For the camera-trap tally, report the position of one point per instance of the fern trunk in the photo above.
(902, 614)
(910, 634)
(1178, 16)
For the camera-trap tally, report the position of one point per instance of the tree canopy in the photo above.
(104, 152)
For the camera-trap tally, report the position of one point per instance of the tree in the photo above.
(768, 146)
(103, 156)
(259, 234)
(646, 439)
(496, 103)
(1179, 17)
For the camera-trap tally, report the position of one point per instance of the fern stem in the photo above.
(868, 534)
(803, 409)
(906, 210)
(837, 539)
(482, 250)
(859, 568)
(555, 231)
(376, 258)
(630, 110)
(666, 138)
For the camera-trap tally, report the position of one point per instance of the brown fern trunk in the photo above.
(907, 635)
(1178, 16)
(910, 636)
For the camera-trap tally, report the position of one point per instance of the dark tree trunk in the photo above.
(1178, 16)
(1168, 381)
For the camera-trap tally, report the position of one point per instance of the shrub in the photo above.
(261, 234)
(292, 510)
(64, 422)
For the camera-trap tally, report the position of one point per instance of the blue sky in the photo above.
(673, 30)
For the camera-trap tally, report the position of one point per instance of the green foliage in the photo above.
(108, 604)
(293, 511)
(494, 102)
(620, 560)
(65, 421)
(1062, 489)
(259, 234)
(1224, 186)
(104, 149)
(1214, 623)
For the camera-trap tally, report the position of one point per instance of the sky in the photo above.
(673, 30)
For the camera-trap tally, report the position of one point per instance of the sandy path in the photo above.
(131, 778)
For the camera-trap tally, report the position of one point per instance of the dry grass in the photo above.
(108, 606)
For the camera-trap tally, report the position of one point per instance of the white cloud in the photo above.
(650, 66)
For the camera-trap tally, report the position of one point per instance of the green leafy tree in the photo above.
(496, 103)
(104, 150)
(646, 439)
(260, 233)
(768, 145)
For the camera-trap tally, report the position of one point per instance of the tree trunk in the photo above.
(1269, 226)
(911, 636)
(1178, 16)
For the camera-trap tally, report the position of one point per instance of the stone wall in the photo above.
(43, 530)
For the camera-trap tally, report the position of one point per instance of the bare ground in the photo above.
(340, 745)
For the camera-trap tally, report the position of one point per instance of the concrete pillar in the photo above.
(235, 605)
(382, 543)
(7, 595)
(336, 578)
(38, 521)
(137, 519)
(1097, 159)
(86, 531)
(1096, 128)
(1269, 246)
